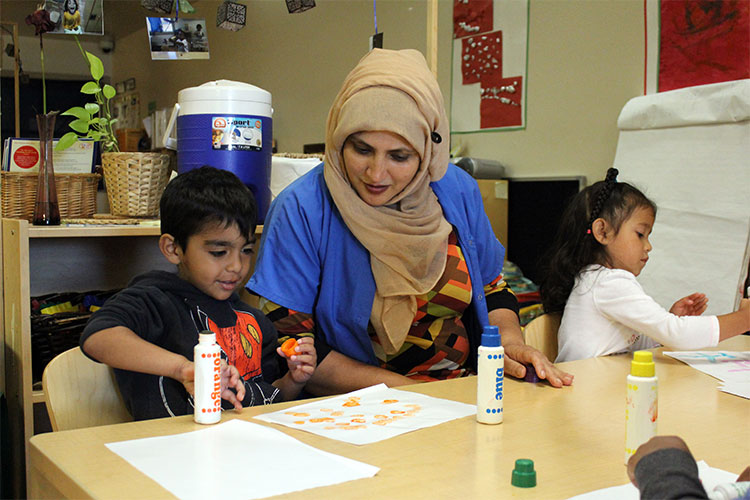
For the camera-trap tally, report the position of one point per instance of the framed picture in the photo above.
(172, 38)
(76, 17)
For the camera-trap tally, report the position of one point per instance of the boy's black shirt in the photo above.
(169, 312)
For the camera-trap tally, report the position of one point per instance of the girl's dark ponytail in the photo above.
(604, 192)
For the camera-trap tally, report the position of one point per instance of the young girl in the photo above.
(601, 246)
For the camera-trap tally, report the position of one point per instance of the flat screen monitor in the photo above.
(535, 205)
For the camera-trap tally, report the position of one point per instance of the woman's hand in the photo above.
(518, 354)
(693, 305)
(302, 364)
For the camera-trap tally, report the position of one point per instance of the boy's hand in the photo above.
(230, 378)
(302, 364)
(693, 305)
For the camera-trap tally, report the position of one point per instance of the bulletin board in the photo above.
(692, 43)
(488, 81)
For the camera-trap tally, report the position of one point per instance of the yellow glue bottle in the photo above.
(207, 361)
(641, 403)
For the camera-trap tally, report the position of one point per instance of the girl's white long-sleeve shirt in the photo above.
(608, 312)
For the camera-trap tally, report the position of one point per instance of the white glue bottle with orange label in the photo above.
(490, 376)
(207, 361)
(641, 402)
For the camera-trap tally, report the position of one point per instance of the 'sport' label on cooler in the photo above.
(235, 133)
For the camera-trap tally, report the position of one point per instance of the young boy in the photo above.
(148, 330)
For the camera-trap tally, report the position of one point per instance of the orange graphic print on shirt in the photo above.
(242, 344)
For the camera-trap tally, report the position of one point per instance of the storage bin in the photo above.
(135, 182)
(76, 194)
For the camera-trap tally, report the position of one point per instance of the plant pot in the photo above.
(135, 182)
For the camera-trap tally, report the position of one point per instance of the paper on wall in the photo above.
(687, 150)
(285, 170)
(369, 415)
(237, 460)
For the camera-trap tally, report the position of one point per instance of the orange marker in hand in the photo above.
(288, 347)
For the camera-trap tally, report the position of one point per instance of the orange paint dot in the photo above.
(397, 412)
(299, 422)
(322, 419)
(381, 416)
(359, 420)
(390, 401)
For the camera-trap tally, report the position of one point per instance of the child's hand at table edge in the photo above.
(656, 443)
(230, 379)
(301, 364)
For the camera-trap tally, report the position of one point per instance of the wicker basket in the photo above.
(135, 182)
(76, 194)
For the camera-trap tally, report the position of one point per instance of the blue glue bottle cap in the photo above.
(490, 336)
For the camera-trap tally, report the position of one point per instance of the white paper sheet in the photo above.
(369, 415)
(741, 389)
(726, 366)
(709, 476)
(237, 460)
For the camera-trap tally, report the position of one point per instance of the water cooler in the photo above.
(227, 125)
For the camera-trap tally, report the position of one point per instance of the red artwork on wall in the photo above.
(481, 55)
(500, 104)
(471, 17)
(703, 41)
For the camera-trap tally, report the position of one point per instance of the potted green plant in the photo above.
(93, 120)
(134, 180)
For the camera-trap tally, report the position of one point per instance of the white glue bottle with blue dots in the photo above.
(490, 375)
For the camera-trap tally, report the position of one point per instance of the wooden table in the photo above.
(574, 435)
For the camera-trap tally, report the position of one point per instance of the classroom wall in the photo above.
(585, 60)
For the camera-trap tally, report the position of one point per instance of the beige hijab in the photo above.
(407, 238)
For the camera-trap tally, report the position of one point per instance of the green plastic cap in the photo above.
(524, 475)
(643, 364)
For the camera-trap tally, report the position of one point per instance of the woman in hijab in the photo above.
(384, 253)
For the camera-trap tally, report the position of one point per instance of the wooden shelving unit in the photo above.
(39, 260)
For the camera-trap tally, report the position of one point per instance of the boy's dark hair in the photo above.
(574, 246)
(203, 196)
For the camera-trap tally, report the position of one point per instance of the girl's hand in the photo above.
(302, 364)
(693, 305)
